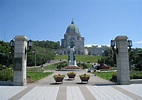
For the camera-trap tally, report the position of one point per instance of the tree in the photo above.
(6, 54)
(40, 54)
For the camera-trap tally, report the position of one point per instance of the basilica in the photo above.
(72, 38)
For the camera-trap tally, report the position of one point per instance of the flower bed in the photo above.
(58, 78)
(84, 77)
(71, 74)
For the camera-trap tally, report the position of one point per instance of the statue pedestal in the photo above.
(72, 63)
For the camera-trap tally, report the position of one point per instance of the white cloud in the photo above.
(90, 45)
(138, 42)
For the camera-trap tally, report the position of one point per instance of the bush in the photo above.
(6, 74)
(83, 65)
(61, 65)
(0, 66)
(114, 78)
(137, 75)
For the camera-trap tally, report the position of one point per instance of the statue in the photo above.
(72, 44)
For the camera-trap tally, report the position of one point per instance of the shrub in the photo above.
(83, 65)
(6, 74)
(61, 65)
(114, 78)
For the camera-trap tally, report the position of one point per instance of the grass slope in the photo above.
(82, 58)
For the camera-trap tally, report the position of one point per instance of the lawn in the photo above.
(82, 58)
(108, 75)
(38, 75)
(51, 67)
(105, 75)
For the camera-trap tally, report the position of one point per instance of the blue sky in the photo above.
(98, 21)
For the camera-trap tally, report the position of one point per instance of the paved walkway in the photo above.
(96, 89)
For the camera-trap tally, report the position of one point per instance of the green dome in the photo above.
(72, 28)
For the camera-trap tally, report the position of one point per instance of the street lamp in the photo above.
(113, 42)
(12, 43)
(129, 44)
(30, 43)
(113, 45)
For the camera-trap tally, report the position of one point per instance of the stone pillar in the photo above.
(122, 57)
(20, 61)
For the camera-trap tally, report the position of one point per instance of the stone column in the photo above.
(122, 57)
(20, 61)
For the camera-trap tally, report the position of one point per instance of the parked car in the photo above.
(104, 66)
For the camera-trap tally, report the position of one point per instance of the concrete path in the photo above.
(94, 80)
(96, 89)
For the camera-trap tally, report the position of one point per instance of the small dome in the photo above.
(72, 28)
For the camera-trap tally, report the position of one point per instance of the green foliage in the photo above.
(50, 67)
(114, 78)
(109, 58)
(1, 67)
(41, 55)
(6, 54)
(6, 74)
(80, 58)
(62, 57)
(61, 65)
(47, 44)
(83, 65)
(105, 75)
(136, 75)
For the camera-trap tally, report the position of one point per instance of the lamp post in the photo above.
(34, 52)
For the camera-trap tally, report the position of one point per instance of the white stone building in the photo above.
(72, 37)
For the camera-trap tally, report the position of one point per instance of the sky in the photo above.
(99, 21)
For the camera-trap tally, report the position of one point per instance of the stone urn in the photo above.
(59, 78)
(84, 78)
(71, 74)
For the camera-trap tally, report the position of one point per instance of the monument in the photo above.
(71, 55)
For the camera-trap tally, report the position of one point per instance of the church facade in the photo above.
(72, 38)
